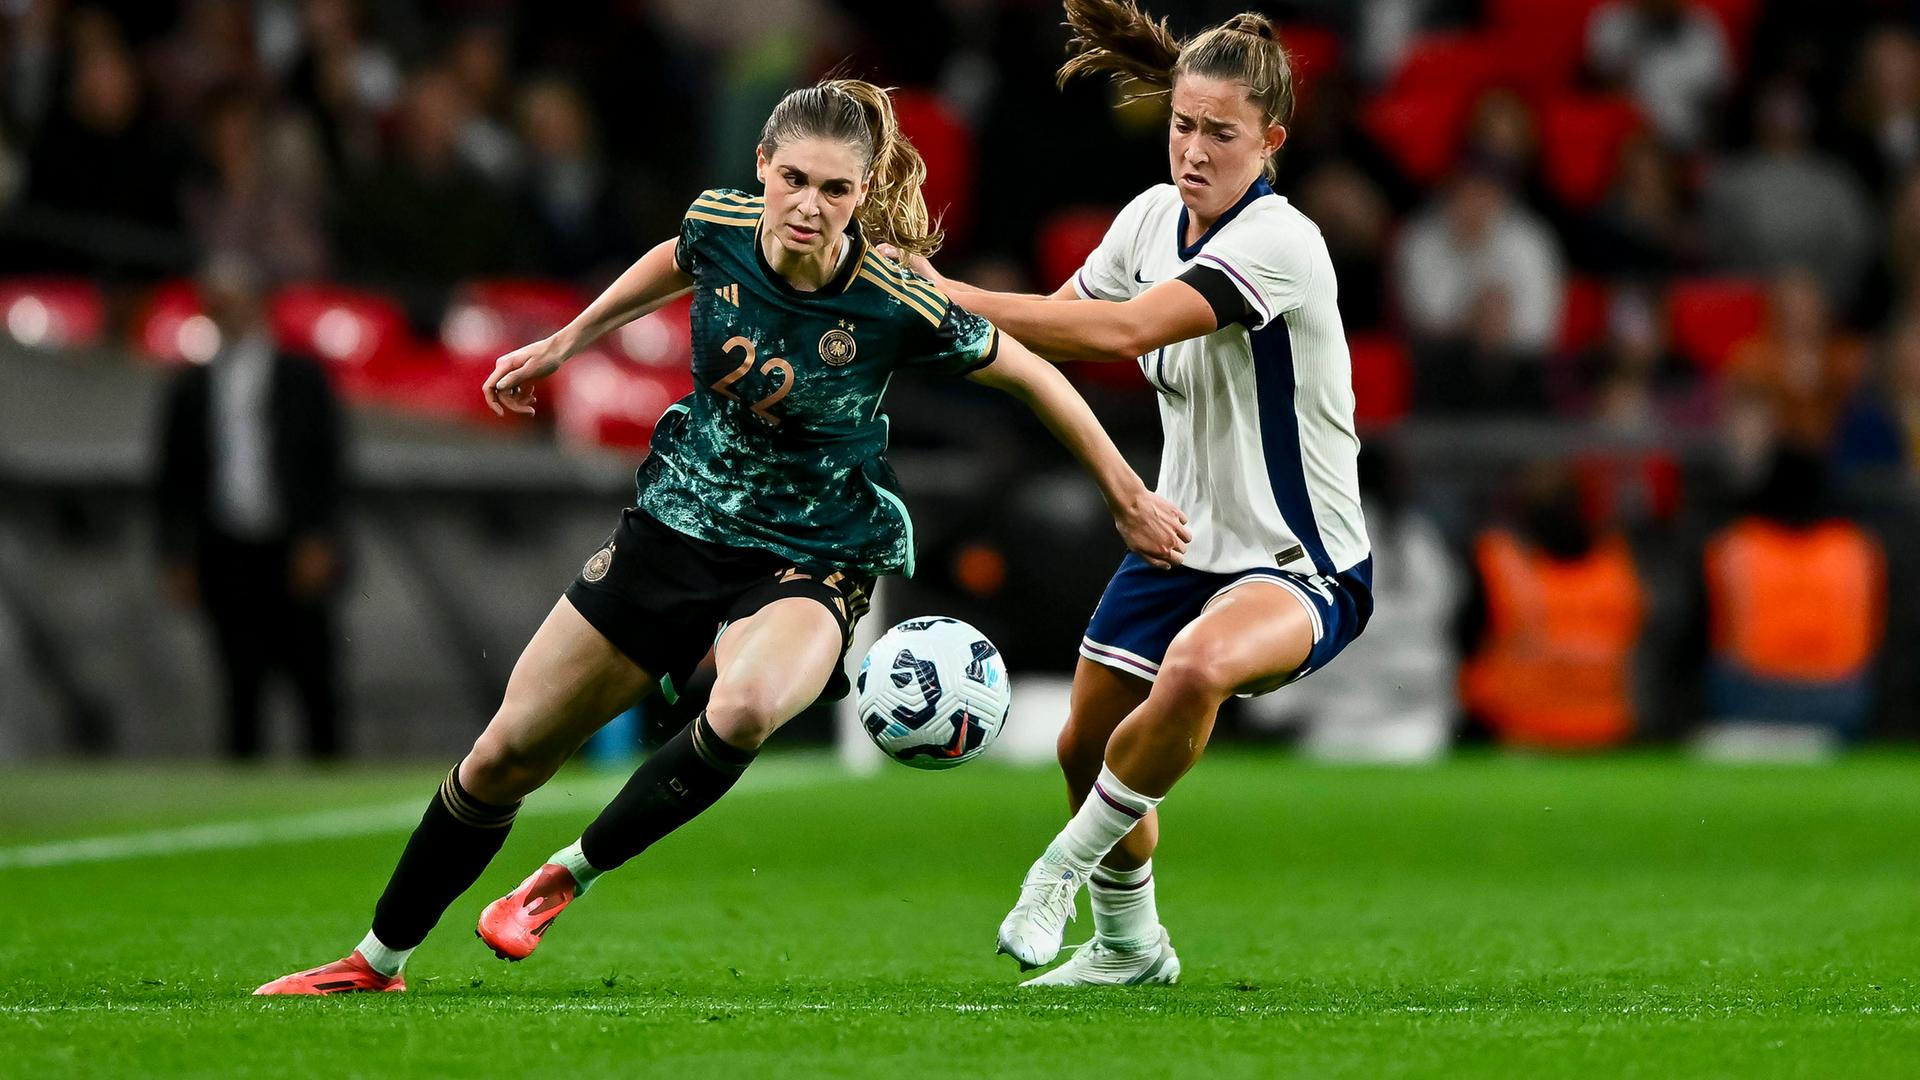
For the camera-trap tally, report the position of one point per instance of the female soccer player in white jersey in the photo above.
(1224, 294)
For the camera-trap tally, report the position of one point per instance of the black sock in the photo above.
(672, 787)
(456, 838)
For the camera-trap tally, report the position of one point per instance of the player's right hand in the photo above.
(510, 387)
(1154, 529)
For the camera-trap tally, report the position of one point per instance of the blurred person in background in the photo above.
(1642, 229)
(1795, 607)
(248, 503)
(1503, 137)
(478, 62)
(211, 50)
(1670, 55)
(1881, 138)
(347, 82)
(1892, 289)
(1355, 219)
(1555, 616)
(102, 186)
(1880, 432)
(429, 219)
(1633, 381)
(1479, 278)
(257, 191)
(568, 191)
(1394, 694)
(1784, 205)
(1791, 382)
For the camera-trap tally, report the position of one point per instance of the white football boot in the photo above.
(1099, 964)
(1032, 932)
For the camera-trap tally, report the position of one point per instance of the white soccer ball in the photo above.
(933, 693)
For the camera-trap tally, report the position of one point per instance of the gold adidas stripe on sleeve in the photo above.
(921, 306)
(718, 219)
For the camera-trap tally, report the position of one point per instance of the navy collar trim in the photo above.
(1258, 188)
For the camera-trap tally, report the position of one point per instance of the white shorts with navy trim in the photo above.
(1144, 608)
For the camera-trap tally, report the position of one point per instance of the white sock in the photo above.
(386, 961)
(1111, 811)
(577, 865)
(1124, 916)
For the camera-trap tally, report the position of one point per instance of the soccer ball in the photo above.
(933, 693)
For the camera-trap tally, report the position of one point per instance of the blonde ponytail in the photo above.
(896, 210)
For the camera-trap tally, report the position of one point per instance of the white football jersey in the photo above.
(1258, 415)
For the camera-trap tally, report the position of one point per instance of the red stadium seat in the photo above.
(172, 329)
(341, 327)
(1466, 63)
(1420, 130)
(52, 312)
(1736, 21)
(946, 144)
(1580, 140)
(1545, 41)
(1583, 319)
(1314, 52)
(663, 340)
(1065, 241)
(488, 318)
(425, 380)
(600, 399)
(1709, 316)
(1382, 379)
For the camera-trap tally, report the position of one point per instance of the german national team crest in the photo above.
(598, 566)
(837, 347)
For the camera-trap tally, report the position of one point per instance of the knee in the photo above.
(500, 770)
(744, 712)
(1196, 672)
(1081, 747)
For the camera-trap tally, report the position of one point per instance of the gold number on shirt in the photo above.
(724, 386)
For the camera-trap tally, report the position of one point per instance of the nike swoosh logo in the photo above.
(1141, 280)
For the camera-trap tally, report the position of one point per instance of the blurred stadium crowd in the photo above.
(1632, 286)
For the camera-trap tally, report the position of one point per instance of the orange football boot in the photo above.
(349, 976)
(512, 925)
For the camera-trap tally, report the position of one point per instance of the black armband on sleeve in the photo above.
(1221, 295)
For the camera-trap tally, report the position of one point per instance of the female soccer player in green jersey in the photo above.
(763, 514)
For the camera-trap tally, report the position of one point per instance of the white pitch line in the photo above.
(1046, 1003)
(337, 824)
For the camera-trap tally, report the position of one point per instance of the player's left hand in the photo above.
(1154, 529)
(510, 387)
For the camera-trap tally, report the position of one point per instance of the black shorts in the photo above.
(663, 598)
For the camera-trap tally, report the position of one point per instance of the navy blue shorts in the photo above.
(1143, 608)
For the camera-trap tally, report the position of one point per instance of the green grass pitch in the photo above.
(1640, 916)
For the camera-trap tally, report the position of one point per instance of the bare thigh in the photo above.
(568, 682)
(771, 665)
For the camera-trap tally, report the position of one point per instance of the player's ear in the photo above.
(1276, 138)
(760, 164)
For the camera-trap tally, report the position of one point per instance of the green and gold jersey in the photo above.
(782, 446)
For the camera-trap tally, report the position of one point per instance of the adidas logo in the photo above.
(731, 294)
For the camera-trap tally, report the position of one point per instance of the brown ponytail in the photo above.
(861, 114)
(1115, 36)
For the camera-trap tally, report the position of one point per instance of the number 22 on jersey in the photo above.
(762, 408)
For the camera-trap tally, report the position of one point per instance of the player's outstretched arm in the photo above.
(1064, 327)
(1153, 528)
(651, 281)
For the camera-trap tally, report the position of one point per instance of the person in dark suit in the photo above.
(249, 493)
